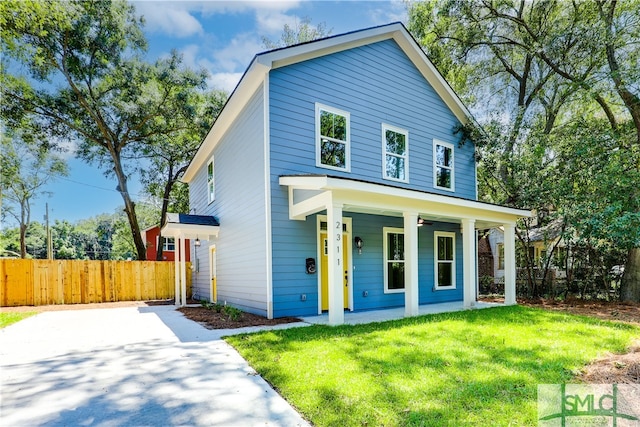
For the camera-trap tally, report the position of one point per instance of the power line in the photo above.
(111, 189)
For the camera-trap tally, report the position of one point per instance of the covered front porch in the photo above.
(183, 227)
(313, 194)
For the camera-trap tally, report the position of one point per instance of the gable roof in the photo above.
(262, 63)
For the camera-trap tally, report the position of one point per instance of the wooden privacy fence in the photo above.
(42, 282)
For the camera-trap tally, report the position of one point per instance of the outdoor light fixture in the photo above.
(422, 222)
(197, 242)
(359, 243)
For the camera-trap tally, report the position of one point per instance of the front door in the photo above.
(324, 276)
(213, 270)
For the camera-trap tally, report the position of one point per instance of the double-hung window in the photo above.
(443, 176)
(211, 186)
(445, 260)
(395, 146)
(393, 260)
(333, 149)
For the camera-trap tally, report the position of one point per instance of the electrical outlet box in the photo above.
(303, 297)
(365, 293)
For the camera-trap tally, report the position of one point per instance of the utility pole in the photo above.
(49, 242)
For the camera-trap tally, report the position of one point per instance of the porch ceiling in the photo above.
(309, 194)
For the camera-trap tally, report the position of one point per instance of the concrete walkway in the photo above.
(129, 367)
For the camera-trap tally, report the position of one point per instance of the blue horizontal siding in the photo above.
(376, 84)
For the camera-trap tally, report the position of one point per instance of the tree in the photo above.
(25, 170)
(105, 96)
(302, 32)
(168, 158)
(549, 65)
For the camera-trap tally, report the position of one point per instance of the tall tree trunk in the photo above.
(163, 211)
(630, 283)
(129, 206)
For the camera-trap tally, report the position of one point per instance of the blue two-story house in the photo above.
(333, 180)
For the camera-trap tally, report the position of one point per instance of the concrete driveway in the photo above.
(129, 366)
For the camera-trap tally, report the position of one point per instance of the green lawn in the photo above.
(478, 367)
(7, 319)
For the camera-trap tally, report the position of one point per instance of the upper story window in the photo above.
(443, 172)
(395, 146)
(445, 262)
(332, 138)
(211, 186)
(393, 260)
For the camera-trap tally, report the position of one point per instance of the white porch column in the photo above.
(335, 261)
(509, 264)
(177, 274)
(183, 272)
(410, 264)
(469, 262)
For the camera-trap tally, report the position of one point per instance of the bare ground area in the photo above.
(210, 319)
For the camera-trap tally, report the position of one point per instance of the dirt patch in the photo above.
(210, 319)
(605, 310)
(614, 368)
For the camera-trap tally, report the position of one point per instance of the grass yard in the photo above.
(7, 319)
(478, 367)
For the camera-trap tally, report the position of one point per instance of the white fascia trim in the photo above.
(249, 84)
(190, 231)
(267, 196)
(433, 76)
(329, 183)
(263, 63)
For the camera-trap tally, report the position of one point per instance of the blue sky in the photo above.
(221, 36)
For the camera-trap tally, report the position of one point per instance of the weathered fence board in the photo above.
(42, 282)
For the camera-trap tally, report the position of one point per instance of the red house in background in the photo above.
(150, 238)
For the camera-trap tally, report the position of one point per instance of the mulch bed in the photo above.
(210, 319)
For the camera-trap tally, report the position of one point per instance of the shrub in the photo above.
(233, 313)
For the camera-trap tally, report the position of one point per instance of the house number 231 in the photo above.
(338, 237)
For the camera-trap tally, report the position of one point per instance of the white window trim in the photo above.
(404, 132)
(165, 244)
(347, 160)
(437, 234)
(452, 167)
(211, 196)
(386, 231)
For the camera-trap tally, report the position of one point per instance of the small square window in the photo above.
(443, 166)
(169, 244)
(395, 145)
(332, 138)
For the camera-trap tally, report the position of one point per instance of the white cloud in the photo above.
(171, 18)
(393, 11)
(237, 54)
(273, 21)
(225, 81)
